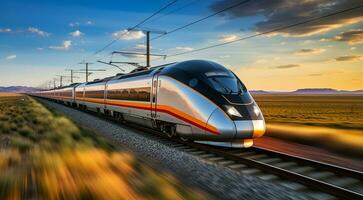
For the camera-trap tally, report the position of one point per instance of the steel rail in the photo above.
(286, 174)
(317, 164)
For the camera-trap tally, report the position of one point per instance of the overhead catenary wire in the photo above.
(135, 26)
(174, 11)
(202, 19)
(139, 24)
(271, 31)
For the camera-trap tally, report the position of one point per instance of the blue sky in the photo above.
(40, 39)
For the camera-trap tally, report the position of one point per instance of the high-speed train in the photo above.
(197, 100)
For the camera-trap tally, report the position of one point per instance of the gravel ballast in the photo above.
(217, 180)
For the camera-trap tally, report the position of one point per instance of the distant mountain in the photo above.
(316, 91)
(311, 91)
(18, 89)
(325, 91)
(259, 92)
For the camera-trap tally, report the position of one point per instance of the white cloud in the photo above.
(184, 48)
(10, 57)
(353, 48)
(40, 48)
(228, 38)
(65, 45)
(140, 46)
(73, 24)
(307, 42)
(128, 35)
(38, 32)
(5, 30)
(76, 33)
(76, 24)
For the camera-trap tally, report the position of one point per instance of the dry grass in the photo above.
(7, 94)
(43, 155)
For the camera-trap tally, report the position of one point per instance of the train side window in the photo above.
(124, 94)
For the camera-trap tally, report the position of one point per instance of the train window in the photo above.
(193, 82)
(79, 94)
(98, 94)
(67, 93)
(134, 94)
(227, 84)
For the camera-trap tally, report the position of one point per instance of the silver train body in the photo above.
(196, 100)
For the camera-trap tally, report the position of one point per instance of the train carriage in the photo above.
(196, 100)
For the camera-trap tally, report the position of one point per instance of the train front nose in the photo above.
(249, 128)
(252, 127)
(236, 129)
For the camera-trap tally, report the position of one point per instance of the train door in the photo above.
(154, 95)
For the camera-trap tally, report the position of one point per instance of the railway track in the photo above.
(334, 180)
(339, 182)
(310, 175)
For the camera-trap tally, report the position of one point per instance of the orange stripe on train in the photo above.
(161, 108)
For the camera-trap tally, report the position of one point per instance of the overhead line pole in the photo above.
(88, 71)
(148, 32)
(140, 23)
(61, 79)
(147, 54)
(71, 76)
(73, 72)
(147, 48)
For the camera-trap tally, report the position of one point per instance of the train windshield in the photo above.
(226, 83)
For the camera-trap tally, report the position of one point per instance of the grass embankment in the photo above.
(327, 121)
(44, 155)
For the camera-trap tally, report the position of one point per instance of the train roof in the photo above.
(67, 86)
(191, 66)
(198, 66)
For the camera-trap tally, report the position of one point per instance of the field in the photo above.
(326, 121)
(343, 112)
(44, 155)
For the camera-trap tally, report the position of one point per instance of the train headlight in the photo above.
(256, 110)
(232, 111)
